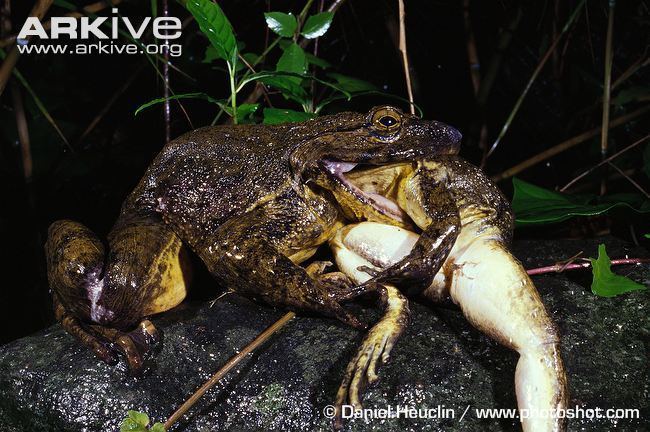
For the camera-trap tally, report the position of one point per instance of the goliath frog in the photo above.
(254, 202)
(243, 199)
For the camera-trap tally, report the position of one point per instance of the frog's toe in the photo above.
(374, 350)
(134, 345)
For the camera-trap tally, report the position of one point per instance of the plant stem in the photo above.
(533, 77)
(405, 56)
(6, 68)
(232, 362)
(233, 92)
(607, 90)
(614, 156)
(565, 145)
(558, 268)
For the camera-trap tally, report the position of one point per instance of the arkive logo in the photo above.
(164, 29)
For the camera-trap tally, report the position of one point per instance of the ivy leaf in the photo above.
(317, 25)
(281, 23)
(605, 283)
(534, 205)
(293, 60)
(214, 24)
(278, 116)
(220, 102)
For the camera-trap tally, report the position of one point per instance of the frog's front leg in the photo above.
(250, 255)
(101, 298)
(431, 206)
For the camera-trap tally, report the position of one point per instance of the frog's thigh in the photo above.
(154, 257)
(497, 296)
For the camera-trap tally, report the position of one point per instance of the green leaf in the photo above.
(210, 54)
(138, 417)
(605, 283)
(247, 109)
(317, 25)
(134, 422)
(203, 96)
(281, 23)
(293, 60)
(214, 24)
(311, 59)
(631, 94)
(646, 235)
(534, 205)
(250, 58)
(130, 425)
(277, 116)
(352, 85)
(317, 61)
(158, 427)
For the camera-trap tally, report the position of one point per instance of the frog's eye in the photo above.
(386, 120)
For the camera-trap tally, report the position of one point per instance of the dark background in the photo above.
(90, 183)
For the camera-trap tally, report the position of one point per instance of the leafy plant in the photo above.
(137, 421)
(605, 283)
(291, 75)
(534, 205)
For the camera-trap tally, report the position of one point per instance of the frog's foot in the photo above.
(134, 345)
(73, 326)
(374, 350)
(107, 343)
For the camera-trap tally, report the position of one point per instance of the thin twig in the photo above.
(490, 77)
(260, 339)
(558, 268)
(607, 81)
(628, 178)
(643, 61)
(474, 68)
(612, 157)
(23, 132)
(90, 9)
(565, 145)
(7, 67)
(111, 101)
(533, 77)
(405, 56)
(167, 112)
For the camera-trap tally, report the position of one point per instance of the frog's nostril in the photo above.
(454, 135)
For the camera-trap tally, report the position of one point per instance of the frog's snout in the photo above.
(448, 135)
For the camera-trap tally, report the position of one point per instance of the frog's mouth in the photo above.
(367, 191)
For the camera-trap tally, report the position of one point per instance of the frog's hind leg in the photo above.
(379, 341)
(497, 297)
(101, 298)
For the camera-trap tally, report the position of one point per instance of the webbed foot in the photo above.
(374, 350)
(109, 343)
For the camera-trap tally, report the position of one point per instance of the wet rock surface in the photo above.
(48, 382)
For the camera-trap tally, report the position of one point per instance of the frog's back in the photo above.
(213, 173)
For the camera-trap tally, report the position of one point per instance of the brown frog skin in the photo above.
(446, 197)
(244, 199)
